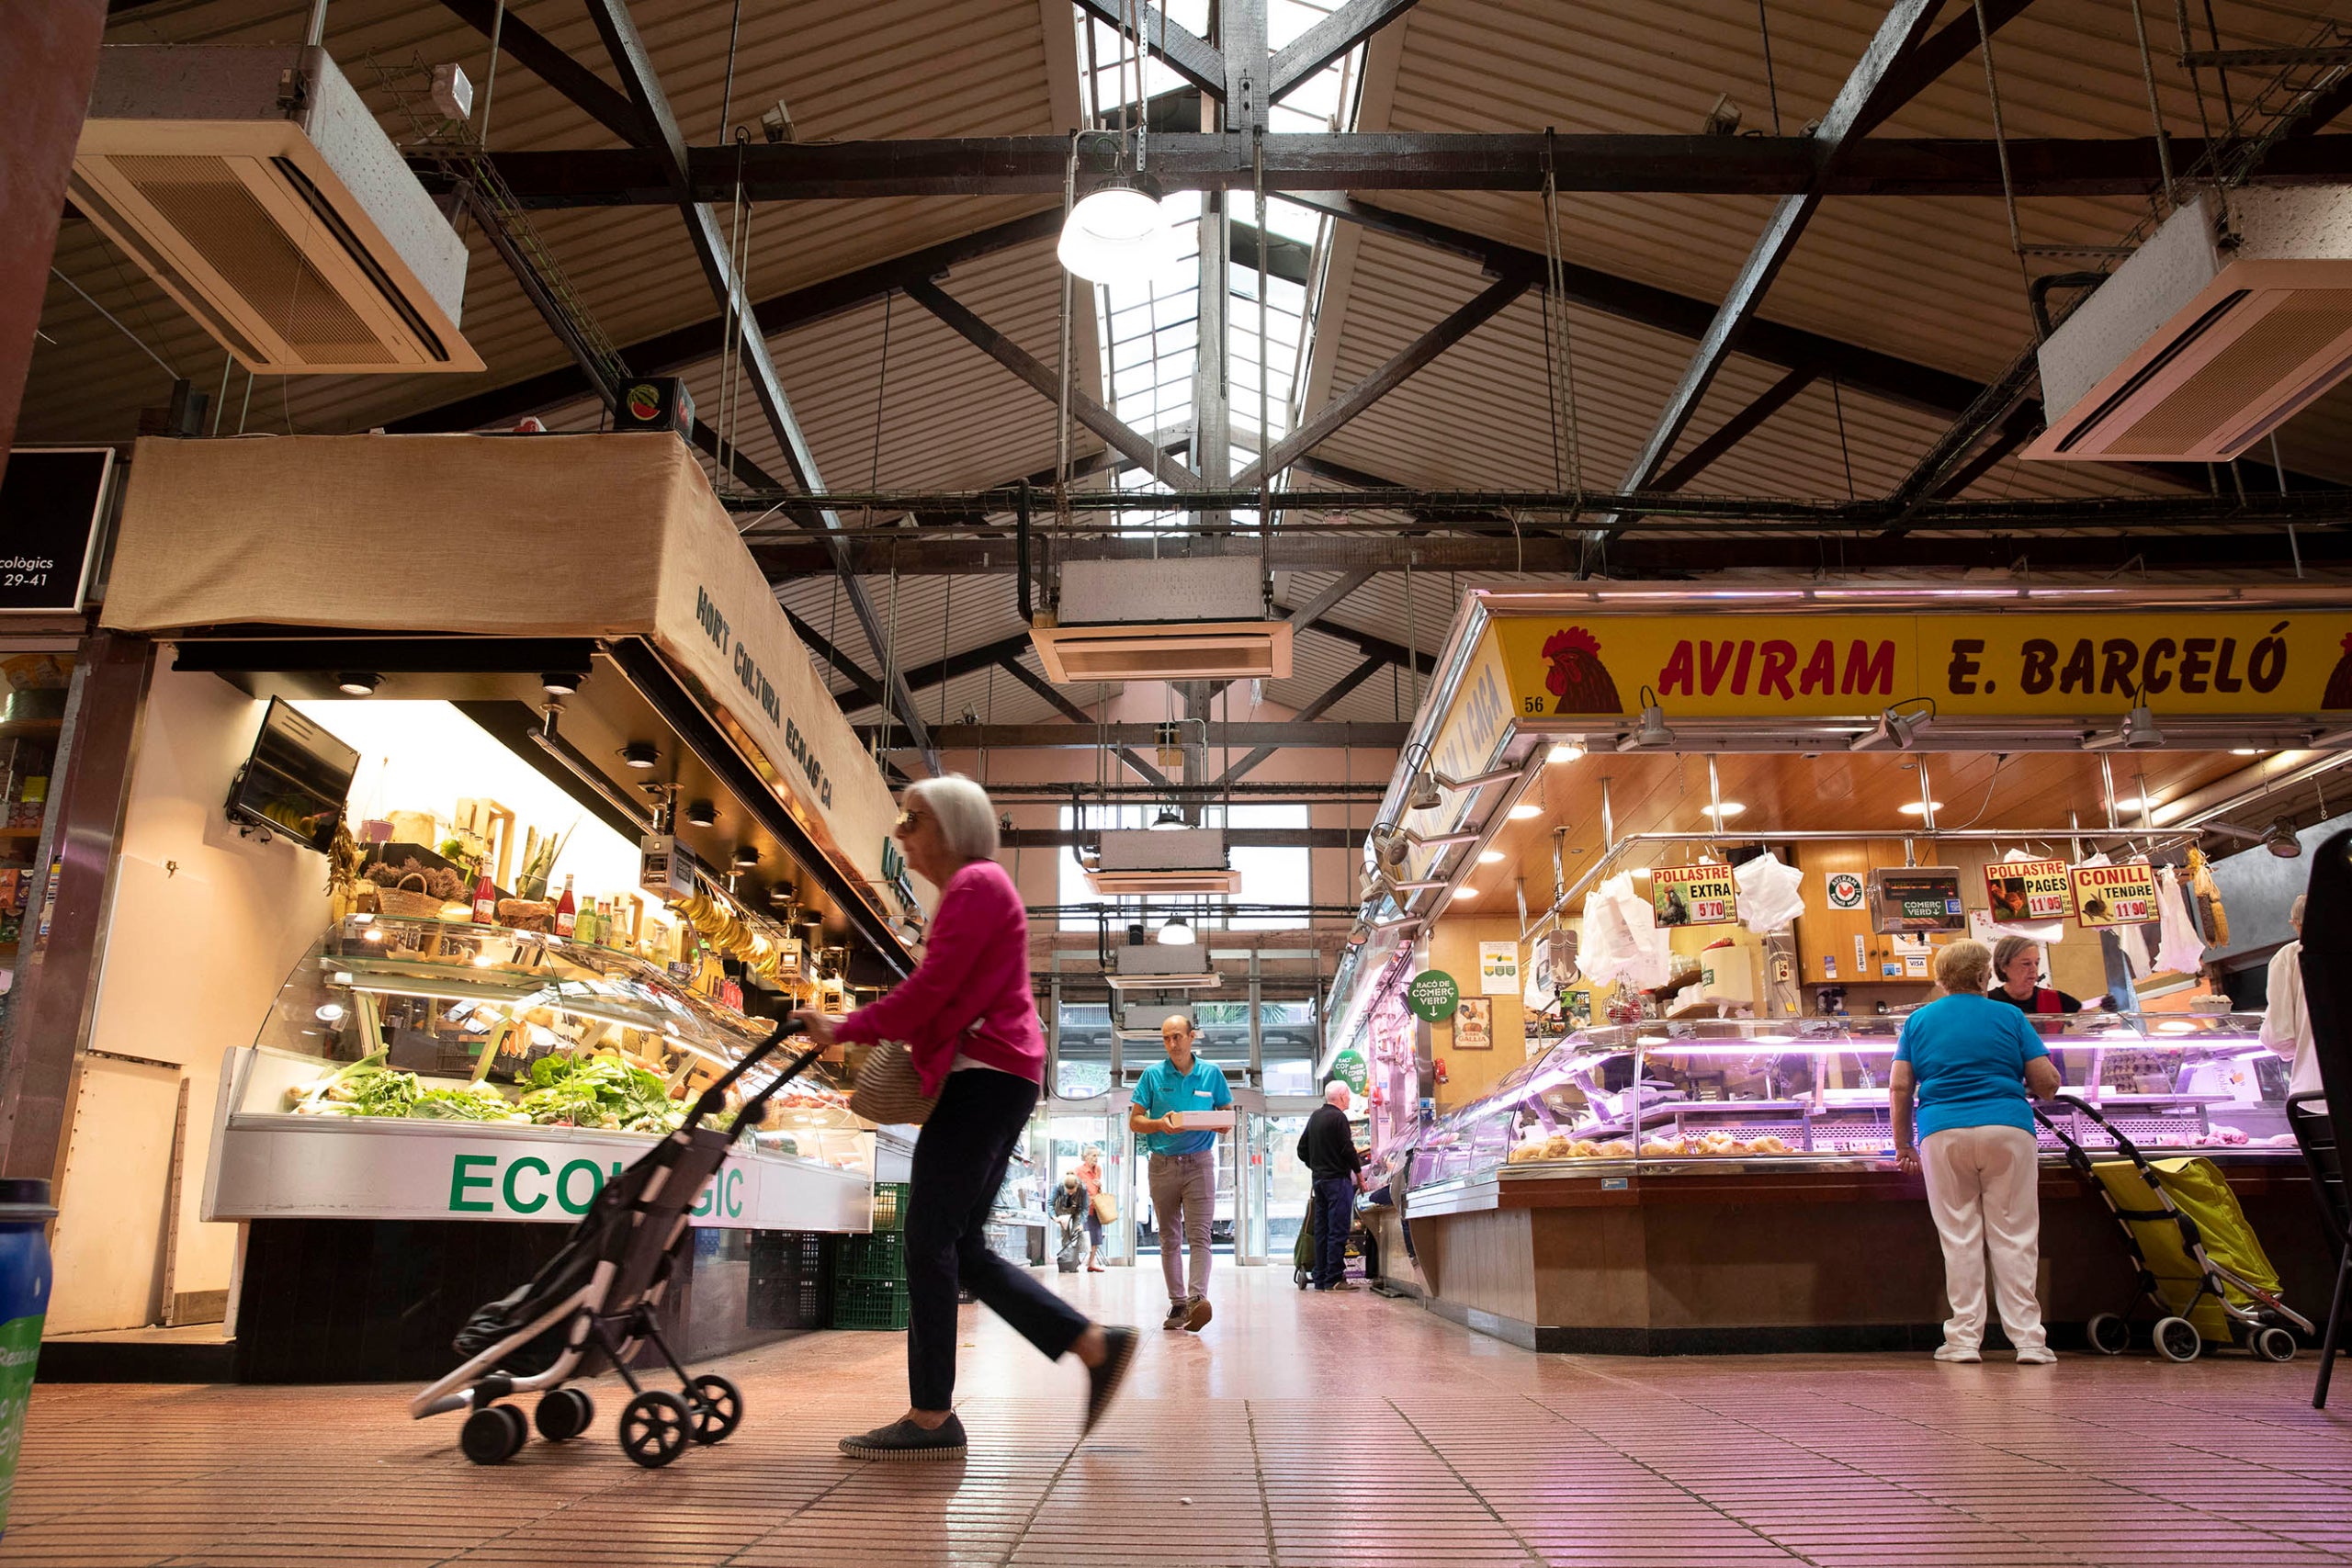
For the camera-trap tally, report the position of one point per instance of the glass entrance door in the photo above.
(1068, 1134)
(1283, 1184)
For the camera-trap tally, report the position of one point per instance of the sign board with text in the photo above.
(2120, 895)
(1693, 894)
(1574, 663)
(2021, 890)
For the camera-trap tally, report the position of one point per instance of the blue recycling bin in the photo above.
(25, 1214)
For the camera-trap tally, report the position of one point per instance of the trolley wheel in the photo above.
(718, 1410)
(654, 1427)
(2108, 1334)
(2275, 1344)
(564, 1414)
(1299, 1276)
(493, 1434)
(2177, 1340)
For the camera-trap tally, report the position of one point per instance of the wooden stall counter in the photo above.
(1676, 1260)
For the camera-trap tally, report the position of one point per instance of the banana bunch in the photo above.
(724, 930)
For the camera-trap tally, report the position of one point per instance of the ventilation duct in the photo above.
(1162, 861)
(1163, 620)
(2232, 318)
(256, 187)
(1153, 968)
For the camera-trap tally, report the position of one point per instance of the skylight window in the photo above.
(1149, 328)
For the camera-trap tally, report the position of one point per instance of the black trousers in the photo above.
(959, 1164)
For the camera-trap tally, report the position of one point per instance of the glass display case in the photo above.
(1812, 1093)
(477, 1069)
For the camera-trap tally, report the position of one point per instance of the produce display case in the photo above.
(426, 1068)
(1811, 1095)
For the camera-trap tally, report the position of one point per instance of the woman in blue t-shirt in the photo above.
(1968, 1062)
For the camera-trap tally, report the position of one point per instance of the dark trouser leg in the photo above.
(1335, 1214)
(959, 1163)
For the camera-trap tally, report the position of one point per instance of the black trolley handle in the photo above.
(714, 1100)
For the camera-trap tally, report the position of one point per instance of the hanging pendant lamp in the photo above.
(1117, 232)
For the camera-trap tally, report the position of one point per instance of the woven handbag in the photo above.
(888, 1091)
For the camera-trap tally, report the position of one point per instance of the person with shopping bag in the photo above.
(1328, 1149)
(974, 1045)
(1101, 1208)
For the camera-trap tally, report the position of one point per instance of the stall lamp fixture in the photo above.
(1653, 730)
(357, 683)
(1422, 794)
(1726, 810)
(640, 754)
(1176, 933)
(1524, 810)
(1464, 895)
(1358, 934)
(1117, 233)
(2138, 732)
(746, 857)
(1565, 751)
(701, 813)
(1894, 729)
(1168, 817)
(557, 684)
(1918, 807)
(2278, 838)
(1489, 857)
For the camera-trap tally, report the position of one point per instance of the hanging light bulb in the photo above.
(1168, 817)
(1176, 933)
(1117, 232)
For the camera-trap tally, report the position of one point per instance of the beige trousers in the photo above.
(1184, 1202)
(1984, 1188)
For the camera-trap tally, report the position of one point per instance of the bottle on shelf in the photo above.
(485, 900)
(566, 912)
(584, 927)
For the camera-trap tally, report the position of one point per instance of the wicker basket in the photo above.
(405, 902)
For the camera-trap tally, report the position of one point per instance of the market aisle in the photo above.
(1303, 1430)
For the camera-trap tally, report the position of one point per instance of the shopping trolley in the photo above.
(2200, 1265)
(593, 1304)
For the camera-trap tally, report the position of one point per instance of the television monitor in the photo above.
(296, 780)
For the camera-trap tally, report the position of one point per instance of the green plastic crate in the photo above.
(882, 1255)
(889, 1205)
(869, 1303)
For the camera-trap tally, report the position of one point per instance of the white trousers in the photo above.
(1984, 1191)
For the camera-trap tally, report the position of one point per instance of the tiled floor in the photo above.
(1294, 1432)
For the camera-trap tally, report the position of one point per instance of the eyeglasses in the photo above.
(909, 819)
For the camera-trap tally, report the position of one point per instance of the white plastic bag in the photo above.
(2178, 946)
(1770, 893)
(1622, 938)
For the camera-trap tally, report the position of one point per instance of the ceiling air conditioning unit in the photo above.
(1162, 861)
(1163, 620)
(257, 189)
(1154, 967)
(2193, 351)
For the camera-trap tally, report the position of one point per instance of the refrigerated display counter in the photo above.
(1729, 1185)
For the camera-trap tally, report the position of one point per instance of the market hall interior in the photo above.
(1568, 781)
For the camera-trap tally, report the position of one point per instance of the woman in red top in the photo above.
(2017, 969)
(1090, 1176)
(971, 1029)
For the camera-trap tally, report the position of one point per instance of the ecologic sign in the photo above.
(524, 1186)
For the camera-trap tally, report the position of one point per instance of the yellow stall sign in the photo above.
(2120, 895)
(1693, 894)
(1828, 663)
(2022, 890)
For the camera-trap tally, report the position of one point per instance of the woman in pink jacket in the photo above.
(971, 1029)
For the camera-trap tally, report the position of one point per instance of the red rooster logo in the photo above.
(1578, 678)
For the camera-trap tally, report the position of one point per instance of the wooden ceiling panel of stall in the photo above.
(1862, 792)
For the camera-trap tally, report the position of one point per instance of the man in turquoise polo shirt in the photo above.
(1183, 1164)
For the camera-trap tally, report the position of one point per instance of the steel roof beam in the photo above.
(1182, 51)
(1400, 368)
(1339, 31)
(1639, 554)
(537, 55)
(668, 353)
(1077, 715)
(1042, 378)
(1277, 733)
(1371, 161)
(1865, 91)
(1373, 664)
(627, 49)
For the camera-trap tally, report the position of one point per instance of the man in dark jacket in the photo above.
(1328, 1149)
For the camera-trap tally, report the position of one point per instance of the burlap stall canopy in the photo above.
(609, 536)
